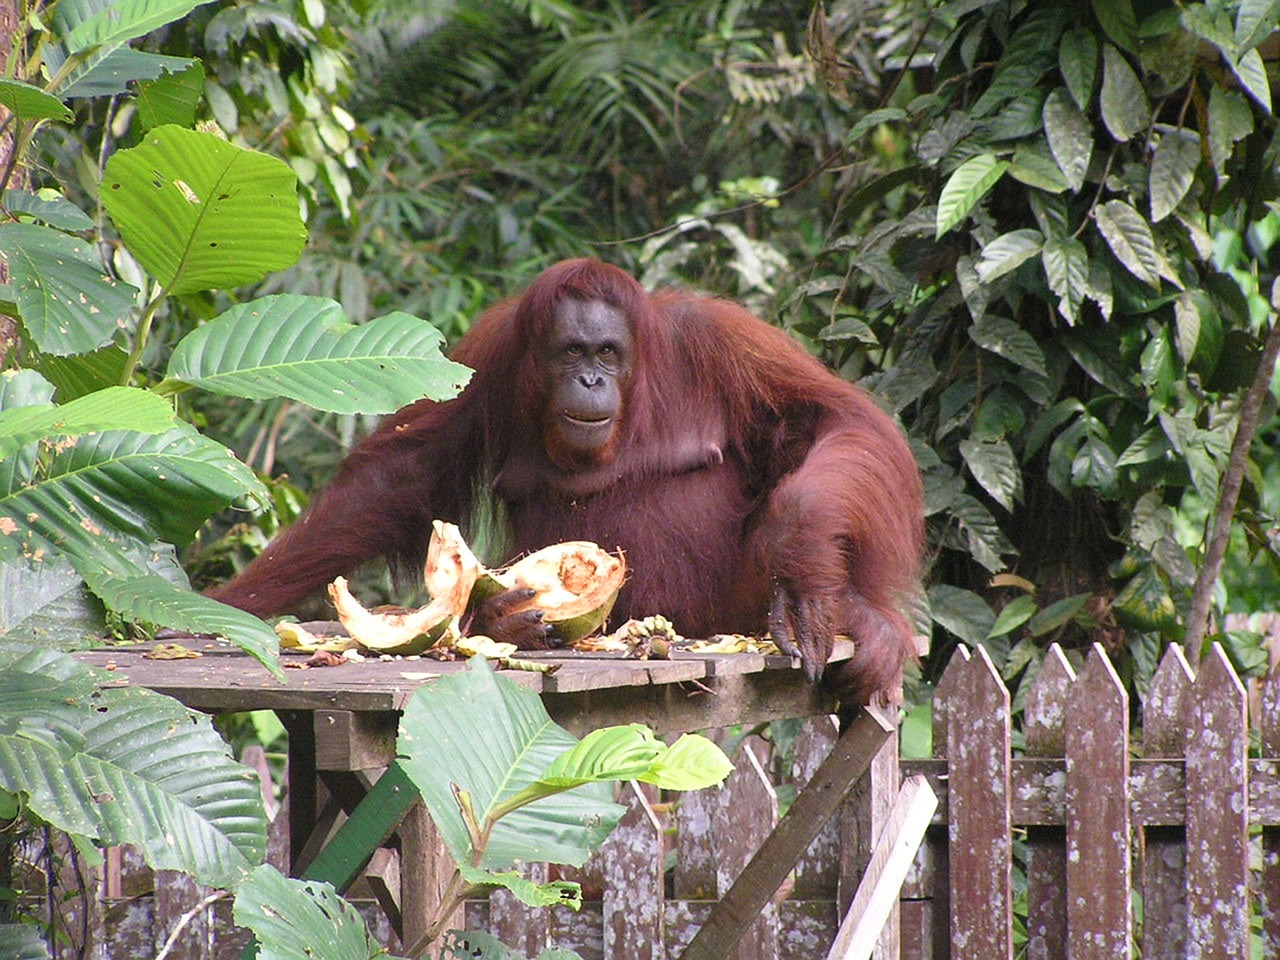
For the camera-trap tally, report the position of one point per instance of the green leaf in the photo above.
(107, 71)
(154, 600)
(1013, 615)
(1148, 446)
(67, 302)
(301, 919)
(1125, 109)
(1078, 64)
(1173, 170)
(994, 466)
(440, 750)
(1070, 139)
(1007, 251)
(1057, 614)
(171, 98)
(87, 23)
(1144, 603)
(965, 187)
(1020, 117)
(1252, 74)
(303, 348)
(1129, 236)
(477, 945)
(126, 765)
(872, 120)
(1066, 267)
(1230, 120)
(557, 893)
(32, 103)
(961, 612)
(1006, 339)
(49, 207)
(45, 604)
(116, 408)
(1255, 20)
(1033, 165)
(1117, 19)
(691, 763)
(202, 214)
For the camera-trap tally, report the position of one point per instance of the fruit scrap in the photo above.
(575, 584)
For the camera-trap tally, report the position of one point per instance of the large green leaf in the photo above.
(200, 213)
(303, 348)
(555, 893)
(962, 612)
(47, 206)
(116, 408)
(1078, 64)
(1070, 139)
(1007, 251)
(126, 765)
(108, 70)
(965, 187)
(1129, 236)
(1006, 339)
(1125, 108)
(441, 749)
(1066, 267)
(993, 464)
(171, 98)
(32, 103)
(89, 23)
(45, 604)
(1251, 71)
(301, 919)
(67, 302)
(1173, 170)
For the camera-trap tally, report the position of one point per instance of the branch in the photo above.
(1229, 494)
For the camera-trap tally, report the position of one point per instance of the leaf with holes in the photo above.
(1129, 236)
(200, 213)
(965, 187)
(1070, 139)
(303, 348)
(1173, 170)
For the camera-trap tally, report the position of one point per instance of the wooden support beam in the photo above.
(813, 807)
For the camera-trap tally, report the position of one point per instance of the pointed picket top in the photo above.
(1097, 691)
(943, 693)
(1164, 712)
(1044, 718)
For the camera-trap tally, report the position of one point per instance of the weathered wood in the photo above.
(1044, 722)
(525, 929)
(1098, 864)
(1217, 813)
(346, 740)
(978, 733)
(177, 898)
(761, 878)
(1164, 860)
(875, 902)
(1269, 888)
(818, 870)
(632, 863)
(863, 818)
(745, 822)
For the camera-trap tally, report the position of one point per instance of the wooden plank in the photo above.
(525, 929)
(633, 899)
(978, 732)
(1098, 864)
(1043, 723)
(877, 895)
(1164, 857)
(761, 878)
(863, 818)
(346, 740)
(818, 870)
(1269, 888)
(1217, 813)
(574, 677)
(748, 816)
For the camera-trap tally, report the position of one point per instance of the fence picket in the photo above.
(1217, 813)
(631, 860)
(1045, 727)
(1098, 865)
(747, 817)
(1164, 862)
(1269, 891)
(978, 733)
(819, 868)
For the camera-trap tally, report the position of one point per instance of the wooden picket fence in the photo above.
(1168, 841)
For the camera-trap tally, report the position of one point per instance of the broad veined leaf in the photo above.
(116, 408)
(108, 70)
(1117, 19)
(200, 213)
(87, 23)
(152, 599)
(47, 206)
(301, 919)
(1230, 120)
(1057, 614)
(303, 348)
(1066, 267)
(1070, 139)
(67, 302)
(1033, 165)
(1173, 170)
(171, 98)
(965, 187)
(961, 612)
(1005, 338)
(1007, 251)
(986, 542)
(994, 466)
(1129, 236)
(1020, 117)
(1148, 446)
(1255, 19)
(1125, 109)
(126, 765)
(556, 893)
(32, 103)
(24, 388)
(44, 603)
(1078, 64)
(440, 751)
(1013, 615)
(1252, 74)
(124, 483)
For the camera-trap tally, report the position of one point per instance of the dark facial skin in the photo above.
(588, 361)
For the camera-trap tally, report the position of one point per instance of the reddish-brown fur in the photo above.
(740, 463)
